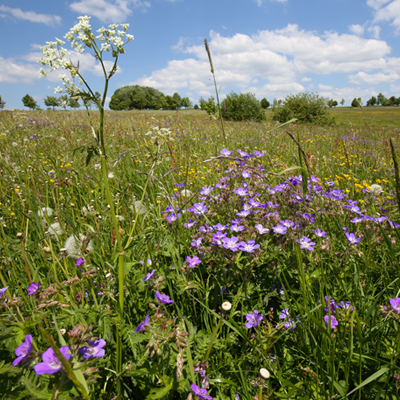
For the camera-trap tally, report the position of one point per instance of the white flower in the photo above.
(73, 245)
(376, 190)
(85, 210)
(186, 193)
(129, 37)
(125, 26)
(15, 144)
(226, 306)
(264, 373)
(111, 175)
(55, 229)
(45, 211)
(97, 166)
(58, 90)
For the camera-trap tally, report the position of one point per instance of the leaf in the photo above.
(35, 392)
(288, 170)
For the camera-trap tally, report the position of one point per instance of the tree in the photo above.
(178, 99)
(51, 101)
(2, 103)
(380, 99)
(264, 103)
(306, 107)
(342, 102)
(29, 102)
(139, 100)
(136, 97)
(355, 103)
(196, 107)
(172, 103)
(73, 102)
(186, 102)
(243, 106)
(372, 101)
(210, 107)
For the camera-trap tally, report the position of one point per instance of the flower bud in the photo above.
(226, 306)
(264, 373)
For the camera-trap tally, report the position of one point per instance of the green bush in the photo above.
(243, 106)
(264, 103)
(307, 107)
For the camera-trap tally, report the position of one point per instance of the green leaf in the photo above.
(35, 392)
(288, 170)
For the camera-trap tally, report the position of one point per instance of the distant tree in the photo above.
(264, 103)
(398, 101)
(127, 98)
(332, 103)
(342, 102)
(381, 99)
(355, 103)
(196, 107)
(335, 103)
(186, 102)
(210, 107)
(63, 101)
(393, 100)
(2, 103)
(172, 103)
(243, 106)
(51, 101)
(29, 102)
(73, 102)
(178, 99)
(162, 103)
(372, 101)
(139, 100)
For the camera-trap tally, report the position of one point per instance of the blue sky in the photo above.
(340, 49)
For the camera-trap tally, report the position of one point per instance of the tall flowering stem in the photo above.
(396, 172)
(81, 37)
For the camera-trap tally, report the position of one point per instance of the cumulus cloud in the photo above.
(108, 10)
(375, 30)
(306, 79)
(357, 29)
(376, 4)
(374, 79)
(12, 71)
(390, 12)
(17, 13)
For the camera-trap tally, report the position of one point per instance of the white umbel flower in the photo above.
(73, 245)
(55, 229)
(45, 211)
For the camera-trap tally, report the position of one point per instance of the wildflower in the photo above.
(206, 190)
(226, 306)
(246, 174)
(287, 223)
(94, 349)
(284, 314)
(232, 243)
(395, 303)
(173, 217)
(23, 350)
(237, 228)
(237, 397)
(200, 393)
(198, 208)
(73, 245)
(186, 193)
(264, 373)
(196, 242)
(249, 247)
(375, 189)
(220, 227)
(332, 305)
(218, 238)
(352, 238)
(163, 298)
(51, 363)
(306, 243)
(79, 262)
(189, 224)
(358, 219)
(141, 326)
(241, 191)
(242, 153)
(2, 291)
(33, 288)
(319, 233)
(110, 175)
(243, 213)
(148, 276)
(291, 323)
(96, 166)
(258, 154)
(261, 230)
(226, 152)
(193, 261)
(253, 319)
(333, 321)
(45, 211)
(55, 229)
(279, 229)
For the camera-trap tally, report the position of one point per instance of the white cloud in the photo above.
(13, 72)
(376, 4)
(374, 79)
(357, 29)
(390, 12)
(324, 87)
(30, 15)
(306, 79)
(349, 94)
(376, 30)
(108, 10)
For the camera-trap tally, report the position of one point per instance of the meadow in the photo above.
(250, 269)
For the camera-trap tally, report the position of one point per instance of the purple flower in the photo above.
(94, 349)
(196, 242)
(246, 174)
(253, 319)
(332, 305)
(226, 152)
(141, 326)
(163, 298)
(395, 303)
(284, 314)
(243, 213)
(189, 224)
(206, 190)
(319, 233)
(218, 238)
(242, 153)
(291, 323)
(241, 191)
(51, 363)
(306, 243)
(23, 350)
(237, 228)
(352, 238)
(237, 397)
(79, 262)
(333, 321)
(200, 393)
(279, 229)
(231, 243)
(287, 223)
(258, 154)
(249, 247)
(173, 217)
(148, 276)
(2, 291)
(220, 227)
(193, 261)
(198, 208)
(261, 230)
(345, 305)
(33, 288)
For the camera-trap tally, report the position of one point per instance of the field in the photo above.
(260, 265)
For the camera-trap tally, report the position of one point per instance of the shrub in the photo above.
(243, 106)
(306, 107)
(356, 102)
(196, 107)
(264, 103)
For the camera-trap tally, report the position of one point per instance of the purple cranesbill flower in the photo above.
(33, 288)
(243, 213)
(196, 242)
(247, 207)
(93, 349)
(287, 223)
(236, 221)
(260, 229)
(253, 319)
(163, 298)
(241, 191)
(249, 247)
(168, 209)
(218, 238)
(189, 224)
(279, 229)
(254, 203)
(206, 190)
(51, 364)
(220, 227)
(284, 314)
(148, 276)
(141, 326)
(291, 323)
(79, 262)
(198, 208)
(332, 305)
(246, 174)
(231, 243)
(242, 153)
(352, 238)
(306, 243)
(173, 217)
(395, 303)
(345, 305)
(226, 152)
(2, 291)
(23, 350)
(319, 233)
(333, 321)
(193, 261)
(258, 154)
(237, 397)
(237, 228)
(200, 393)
